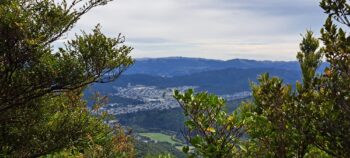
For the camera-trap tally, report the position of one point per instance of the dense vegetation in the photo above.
(41, 107)
(154, 120)
(311, 121)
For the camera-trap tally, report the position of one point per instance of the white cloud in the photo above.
(221, 29)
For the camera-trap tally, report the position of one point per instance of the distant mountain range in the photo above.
(178, 66)
(215, 76)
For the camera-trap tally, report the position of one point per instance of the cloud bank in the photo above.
(218, 29)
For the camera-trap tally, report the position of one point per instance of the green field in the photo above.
(159, 137)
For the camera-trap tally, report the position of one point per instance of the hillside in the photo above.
(225, 81)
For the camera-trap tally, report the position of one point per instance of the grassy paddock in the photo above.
(159, 137)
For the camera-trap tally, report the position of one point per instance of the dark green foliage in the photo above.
(309, 58)
(311, 121)
(30, 68)
(212, 131)
(41, 110)
(334, 109)
(271, 100)
(277, 119)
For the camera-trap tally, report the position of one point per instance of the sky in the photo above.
(214, 29)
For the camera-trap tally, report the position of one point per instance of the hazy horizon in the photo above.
(174, 57)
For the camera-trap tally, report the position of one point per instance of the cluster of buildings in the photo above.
(151, 98)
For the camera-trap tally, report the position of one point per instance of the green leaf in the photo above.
(242, 147)
(195, 141)
(190, 124)
(185, 149)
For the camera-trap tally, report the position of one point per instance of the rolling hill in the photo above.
(224, 81)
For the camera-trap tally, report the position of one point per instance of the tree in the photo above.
(31, 69)
(212, 131)
(333, 112)
(41, 106)
(311, 121)
(285, 130)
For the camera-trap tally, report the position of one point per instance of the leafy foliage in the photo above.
(41, 110)
(30, 68)
(310, 121)
(212, 131)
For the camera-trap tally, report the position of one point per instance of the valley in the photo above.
(142, 98)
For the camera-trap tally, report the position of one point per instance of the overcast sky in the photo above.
(216, 29)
